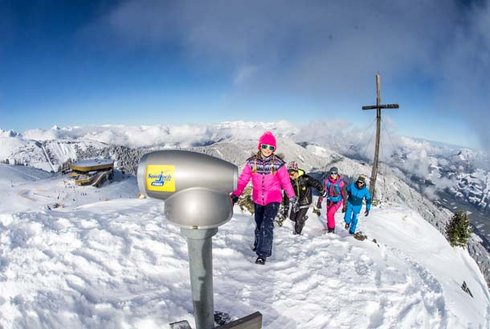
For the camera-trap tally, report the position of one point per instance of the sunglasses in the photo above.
(265, 147)
(333, 174)
(360, 183)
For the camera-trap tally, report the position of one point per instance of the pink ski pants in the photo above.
(331, 210)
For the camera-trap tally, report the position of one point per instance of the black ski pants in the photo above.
(299, 217)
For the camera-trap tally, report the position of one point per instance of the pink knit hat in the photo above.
(267, 138)
(293, 166)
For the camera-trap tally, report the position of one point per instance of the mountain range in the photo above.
(431, 178)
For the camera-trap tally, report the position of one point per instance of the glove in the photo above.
(296, 207)
(366, 213)
(294, 204)
(344, 208)
(234, 198)
(319, 203)
(324, 194)
(283, 211)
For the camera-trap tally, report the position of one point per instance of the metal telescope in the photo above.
(196, 190)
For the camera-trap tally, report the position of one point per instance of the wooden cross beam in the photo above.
(378, 107)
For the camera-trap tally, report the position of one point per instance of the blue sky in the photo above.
(171, 62)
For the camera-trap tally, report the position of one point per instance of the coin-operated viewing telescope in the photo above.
(196, 190)
(195, 185)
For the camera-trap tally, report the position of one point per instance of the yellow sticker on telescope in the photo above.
(160, 178)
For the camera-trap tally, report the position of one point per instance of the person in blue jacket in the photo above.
(356, 193)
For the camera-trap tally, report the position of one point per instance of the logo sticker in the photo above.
(160, 178)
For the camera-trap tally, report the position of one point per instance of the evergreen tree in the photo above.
(458, 230)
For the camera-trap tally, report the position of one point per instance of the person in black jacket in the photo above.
(302, 184)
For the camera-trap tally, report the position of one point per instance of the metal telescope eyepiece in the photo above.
(195, 186)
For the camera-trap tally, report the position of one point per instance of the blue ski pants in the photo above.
(264, 229)
(351, 216)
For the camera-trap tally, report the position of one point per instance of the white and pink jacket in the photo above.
(269, 177)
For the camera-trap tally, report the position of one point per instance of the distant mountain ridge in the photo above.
(434, 168)
(413, 174)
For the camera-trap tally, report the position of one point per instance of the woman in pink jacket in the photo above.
(269, 177)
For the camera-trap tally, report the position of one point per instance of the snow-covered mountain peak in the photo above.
(8, 133)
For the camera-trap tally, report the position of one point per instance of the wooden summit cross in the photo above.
(378, 107)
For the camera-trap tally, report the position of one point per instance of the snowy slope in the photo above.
(26, 189)
(109, 260)
(46, 155)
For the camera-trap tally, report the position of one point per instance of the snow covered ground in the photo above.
(105, 259)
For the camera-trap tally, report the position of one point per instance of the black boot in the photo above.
(260, 260)
(298, 228)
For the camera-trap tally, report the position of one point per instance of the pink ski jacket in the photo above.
(269, 177)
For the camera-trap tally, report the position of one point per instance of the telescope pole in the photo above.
(199, 245)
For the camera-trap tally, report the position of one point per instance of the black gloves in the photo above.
(366, 213)
(319, 203)
(294, 204)
(234, 198)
